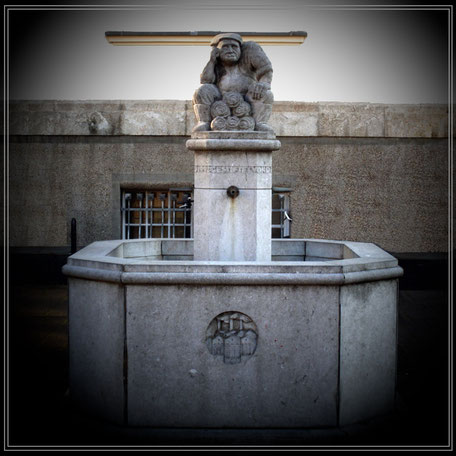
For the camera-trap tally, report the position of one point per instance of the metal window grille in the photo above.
(168, 213)
(281, 218)
(157, 214)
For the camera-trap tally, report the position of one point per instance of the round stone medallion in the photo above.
(232, 336)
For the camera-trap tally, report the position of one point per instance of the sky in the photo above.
(358, 54)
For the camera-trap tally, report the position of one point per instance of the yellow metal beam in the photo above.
(199, 38)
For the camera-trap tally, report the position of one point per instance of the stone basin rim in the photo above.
(269, 279)
(96, 262)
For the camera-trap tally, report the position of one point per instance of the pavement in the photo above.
(40, 414)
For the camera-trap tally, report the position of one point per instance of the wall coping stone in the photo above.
(176, 118)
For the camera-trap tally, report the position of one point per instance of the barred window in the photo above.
(281, 218)
(167, 213)
(157, 214)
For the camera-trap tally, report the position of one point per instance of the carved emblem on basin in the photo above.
(233, 336)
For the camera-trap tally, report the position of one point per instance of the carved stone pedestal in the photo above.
(232, 207)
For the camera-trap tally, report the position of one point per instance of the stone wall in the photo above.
(358, 171)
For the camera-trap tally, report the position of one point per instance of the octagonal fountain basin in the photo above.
(305, 340)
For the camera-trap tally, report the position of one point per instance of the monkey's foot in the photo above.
(263, 127)
(201, 126)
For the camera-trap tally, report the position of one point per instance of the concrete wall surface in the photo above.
(357, 171)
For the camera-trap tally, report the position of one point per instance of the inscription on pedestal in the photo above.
(218, 169)
(232, 336)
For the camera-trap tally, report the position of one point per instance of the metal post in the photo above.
(149, 212)
(127, 199)
(282, 215)
(188, 215)
(73, 236)
(139, 197)
(162, 198)
(173, 197)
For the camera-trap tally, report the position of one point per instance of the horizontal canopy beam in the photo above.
(200, 38)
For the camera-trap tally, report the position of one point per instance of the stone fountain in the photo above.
(231, 329)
